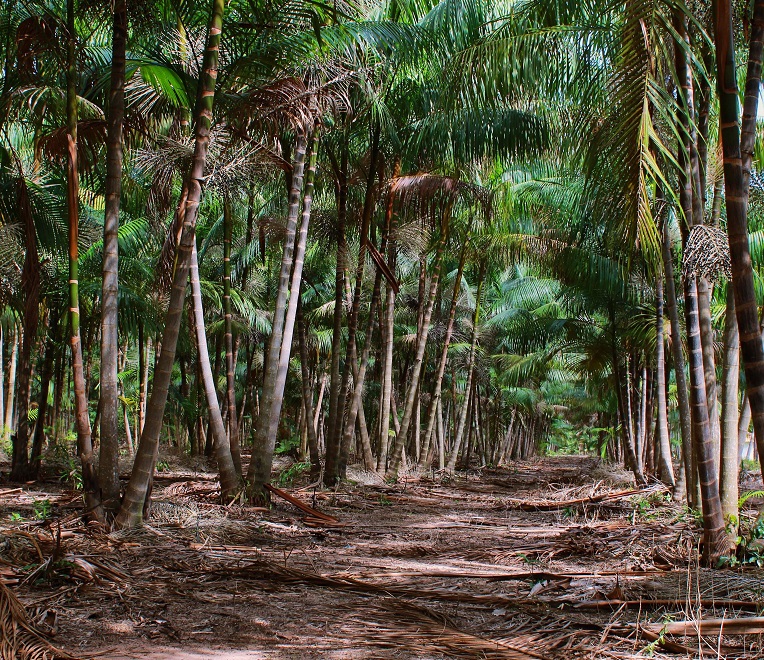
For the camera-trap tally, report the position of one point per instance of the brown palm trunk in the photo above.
(714, 538)
(737, 166)
(90, 486)
(108, 465)
(30, 282)
(137, 493)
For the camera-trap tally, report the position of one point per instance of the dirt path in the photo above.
(427, 569)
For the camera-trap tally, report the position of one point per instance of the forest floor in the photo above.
(551, 558)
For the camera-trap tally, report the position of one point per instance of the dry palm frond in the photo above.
(707, 253)
(19, 639)
(397, 624)
(432, 195)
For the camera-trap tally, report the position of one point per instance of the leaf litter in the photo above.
(530, 561)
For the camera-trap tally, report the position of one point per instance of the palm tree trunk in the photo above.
(307, 396)
(714, 538)
(90, 486)
(413, 382)
(336, 393)
(451, 466)
(742, 428)
(143, 377)
(30, 282)
(42, 406)
(356, 400)
(2, 382)
(230, 354)
(683, 400)
(136, 495)
(280, 345)
(665, 469)
(435, 400)
(729, 463)
(737, 167)
(296, 283)
(108, 465)
(11, 391)
(391, 221)
(229, 477)
(352, 320)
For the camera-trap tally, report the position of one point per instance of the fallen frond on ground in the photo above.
(19, 638)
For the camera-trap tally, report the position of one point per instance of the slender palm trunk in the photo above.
(259, 471)
(665, 469)
(143, 377)
(30, 282)
(714, 538)
(737, 166)
(451, 466)
(413, 383)
(11, 391)
(2, 382)
(391, 221)
(90, 486)
(683, 400)
(307, 396)
(742, 428)
(229, 477)
(709, 362)
(230, 354)
(352, 320)
(432, 409)
(42, 406)
(108, 465)
(295, 284)
(356, 400)
(729, 463)
(336, 393)
(131, 511)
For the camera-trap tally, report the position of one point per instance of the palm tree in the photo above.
(109, 453)
(90, 483)
(131, 510)
(737, 167)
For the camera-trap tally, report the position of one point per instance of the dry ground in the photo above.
(543, 559)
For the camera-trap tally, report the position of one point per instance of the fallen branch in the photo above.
(744, 626)
(525, 505)
(314, 515)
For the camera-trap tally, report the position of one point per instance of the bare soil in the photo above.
(553, 558)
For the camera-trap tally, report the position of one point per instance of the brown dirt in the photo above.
(430, 568)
